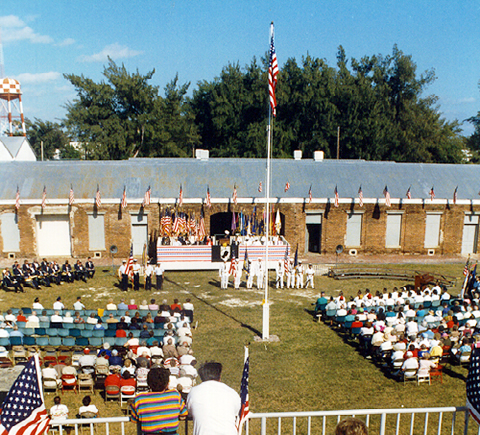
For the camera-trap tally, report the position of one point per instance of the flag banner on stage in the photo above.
(24, 408)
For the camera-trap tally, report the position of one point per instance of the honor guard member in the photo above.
(123, 276)
(260, 273)
(237, 276)
(159, 276)
(248, 272)
(280, 273)
(290, 274)
(148, 276)
(310, 273)
(136, 275)
(224, 274)
(299, 272)
(90, 267)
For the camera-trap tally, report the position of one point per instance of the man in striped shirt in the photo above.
(158, 411)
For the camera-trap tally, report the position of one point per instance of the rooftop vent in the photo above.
(318, 156)
(297, 154)
(202, 154)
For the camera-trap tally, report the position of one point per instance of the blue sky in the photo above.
(42, 40)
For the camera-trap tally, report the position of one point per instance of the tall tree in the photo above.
(53, 137)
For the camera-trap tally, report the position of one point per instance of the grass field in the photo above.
(312, 367)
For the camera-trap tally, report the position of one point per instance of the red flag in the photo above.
(336, 196)
(234, 196)
(409, 194)
(272, 72)
(208, 200)
(387, 197)
(124, 197)
(287, 186)
(44, 197)
(360, 196)
(180, 196)
(146, 197)
(98, 198)
(17, 199)
(71, 196)
(432, 194)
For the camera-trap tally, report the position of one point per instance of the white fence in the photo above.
(401, 421)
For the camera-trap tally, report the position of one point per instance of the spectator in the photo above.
(111, 306)
(122, 305)
(37, 305)
(78, 305)
(78, 319)
(58, 304)
(213, 405)
(87, 407)
(351, 426)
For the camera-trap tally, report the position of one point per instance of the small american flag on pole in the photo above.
(286, 259)
(98, 198)
(71, 196)
(147, 197)
(201, 228)
(233, 266)
(432, 194)
(260, 188)
(287, 186)
(386, 193)
(310, 195)
(466, 268)
(234, 195)
(409, 193)
(129, 269)
(360, 196)
(473, 385)
(455, 195)
(336, 196)
(272, 72)
(208, 199)
(17, 199)
(44, 197)
(124, 197)
(180, 197)
(24, 409)
(245, 405)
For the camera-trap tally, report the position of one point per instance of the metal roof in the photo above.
(166, 175)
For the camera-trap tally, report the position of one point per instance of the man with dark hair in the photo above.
(158, 411)
(213, 405)
(351, 426)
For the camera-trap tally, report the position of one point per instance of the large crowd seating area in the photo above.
(103, 349)
(412, 335)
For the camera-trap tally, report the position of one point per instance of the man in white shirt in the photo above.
(159, 276)
(310, 272)
(299, 272)
(280, 273)
(123, 276)
(58, 304)
(136, 275)
(213, 405)
(77, 306)
(223, 272)
(148, 276)
(260, 274)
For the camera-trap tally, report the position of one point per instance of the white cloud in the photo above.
(29, 78)
(114, 51)
(65, 42)
(15, 29)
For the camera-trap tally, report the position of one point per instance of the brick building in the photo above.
(418, 225)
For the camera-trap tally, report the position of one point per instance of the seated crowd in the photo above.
(408, 331)
(46, 273)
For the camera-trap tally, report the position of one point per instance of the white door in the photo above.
(469, 240)
(139, 238)
(53, 235)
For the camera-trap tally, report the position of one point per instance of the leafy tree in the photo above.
(53, 136)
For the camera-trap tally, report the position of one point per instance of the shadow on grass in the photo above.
(243, 325)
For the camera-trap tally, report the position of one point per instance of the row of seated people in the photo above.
(46, 273)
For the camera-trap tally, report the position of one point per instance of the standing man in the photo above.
(224, 274)
(148, 276)
(213, 405)
(123, 276)
(299, 272)
(260, 274)
(280, 273)
(158, 411)
(136, 275)
(290, 275)
(159, 275)
(310, 272)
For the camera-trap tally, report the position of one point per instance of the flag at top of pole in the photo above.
(272, 71)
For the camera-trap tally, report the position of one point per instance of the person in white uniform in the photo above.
(299, 272)
(280, 273)
(310, 273)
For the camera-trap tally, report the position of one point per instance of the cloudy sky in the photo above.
(196, 38)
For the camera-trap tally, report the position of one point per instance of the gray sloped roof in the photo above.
(166, 175)
(13, 144)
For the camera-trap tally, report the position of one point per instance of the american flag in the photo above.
(44, 197)
(192, 224)
(360, 196)
(245, 405)
(286, 259)
(129, 269)
(201, 228)
(176, 223)
(166, 222)
(336, 196)
(465, 269)
(287, 186)
(260, 188)
(71, 196)
(432, 194)
(17, 199)
(183, 223)
(386, 193)
(180, 196)
(233, 266)
(409, 193)
(246, 265)
(272, 72)
(208, 199)
(455, 196)
(310, 195)
(124, 197)
(147, 196)
(98, 198)
(473, 385)
(234, 195)
(24, 409)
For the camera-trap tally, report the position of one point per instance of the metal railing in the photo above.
(400, 421)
